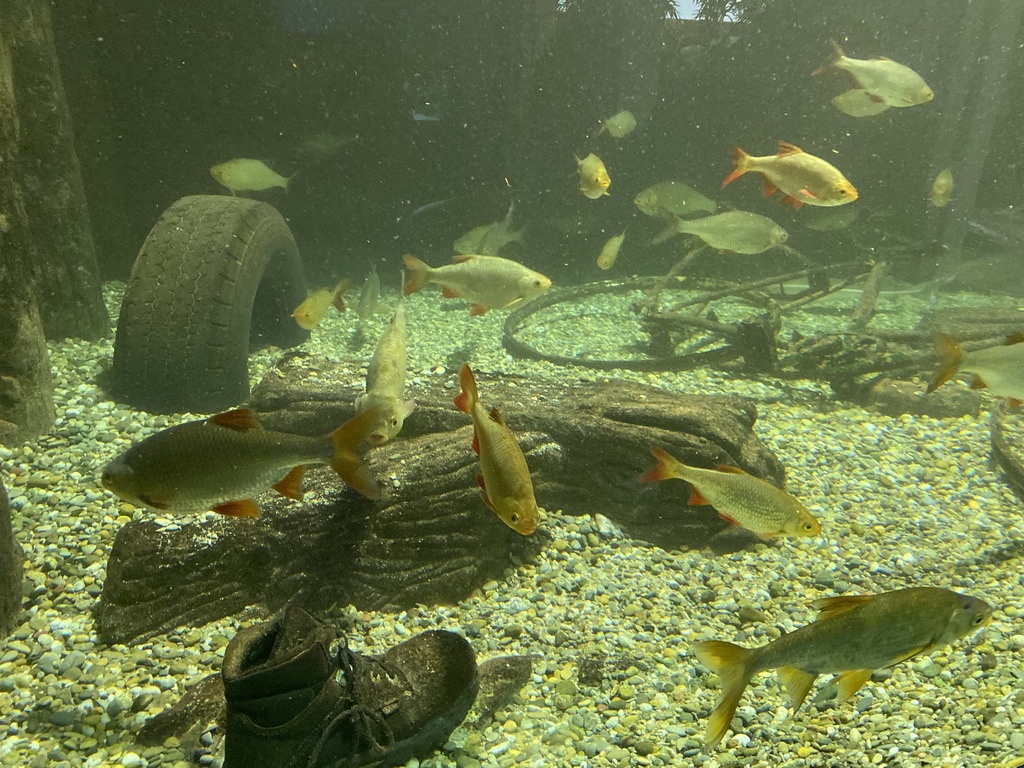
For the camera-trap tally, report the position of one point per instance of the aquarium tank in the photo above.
(479, 384)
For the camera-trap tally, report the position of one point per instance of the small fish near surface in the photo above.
(619, 125)
(311, 311)
(738, 497)
(610, 251)
(594, 179)
(668, 199)
(942, 188)
(487, 282)
(736, 231)
(244, 174)
(221, 462)
(1000, 369)
(385, 382)
(504, 479)
(369, 297)
(884, 80)
(804, 178)
(852, 636)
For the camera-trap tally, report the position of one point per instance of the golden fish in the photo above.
(668, 199)
(594, 179)
(895, 84)
(504, 479)
(610, 251)
(999, 368)
(313, 308)
(738, 497)
(247, 175)
(619, 125)
(221, 462)
(487, 282)
(804, 178)
(385, 382)
(942, 188)
(736, 231)
(859, 103)
(853, 635)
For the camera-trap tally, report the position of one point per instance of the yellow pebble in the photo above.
(804, 751)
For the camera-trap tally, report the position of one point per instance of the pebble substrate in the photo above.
(904, 501)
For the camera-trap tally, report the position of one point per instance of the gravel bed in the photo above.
(904, 501)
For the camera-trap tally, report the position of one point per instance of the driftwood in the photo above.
(429, 539)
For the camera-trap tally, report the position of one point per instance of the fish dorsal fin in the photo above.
(850, 681)
(1014, 338)
(880, 58)
(459, 258)
(496, 417)
(978, 383)
(730, 469)
(797, 684)
(239, 418)
(785, 148)
(827, 607)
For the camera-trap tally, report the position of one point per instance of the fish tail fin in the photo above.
(733, 664)
(466, 399)
(666, 467)
(345, 461)
(951, 353)
(837, 54)
(419, 274)
(741, 164)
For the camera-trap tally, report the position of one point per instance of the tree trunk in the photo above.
(26, 389)
(68, 287)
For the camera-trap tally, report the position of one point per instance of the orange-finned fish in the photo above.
(738, 497)
(802, 177)
(999, 368)
(504, 479)
(852, 636)
(313, 308)
(221, 462)
(487, 282)
(594, 179)
(883, 80)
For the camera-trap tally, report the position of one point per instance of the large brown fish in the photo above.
(853, 635)
(487, 282)
(738, 497)
(221, 462)
(504, 479)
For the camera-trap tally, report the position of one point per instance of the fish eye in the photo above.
(536, 283)
(978, 619)
(394, 422)
(515, 517)
(808, 526)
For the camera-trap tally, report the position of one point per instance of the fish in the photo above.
(668, 199)
(738, 497)
(594, 179)
(221, 462)
(504, 478)
(325, 144)
(244, 174)
(1000, 369)
(385, 382)
(802, 177)
(619, 125)
(313, 308)
(894, 84)
(737, 231)
(942, 188)
(487, 282)
(852, 636)
(610, 251)
(369, 297)
(489, 239)
(859, 103)
(832, 219)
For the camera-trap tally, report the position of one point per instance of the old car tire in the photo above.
(215, 274)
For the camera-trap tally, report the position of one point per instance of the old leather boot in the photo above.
(290, 703)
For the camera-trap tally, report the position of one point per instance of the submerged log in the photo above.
(429, 539)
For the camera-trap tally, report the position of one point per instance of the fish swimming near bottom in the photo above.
(735, 231)
(311, 311)
(244, 174)
(221, 462)
(487, 282)
(852, 636)
(385, 381)
(738, 497)
(506, 487)
(1000, 369)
